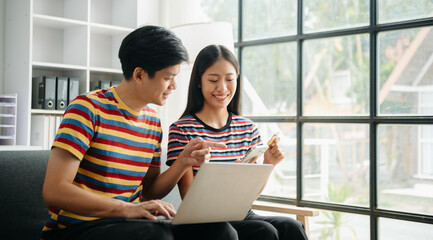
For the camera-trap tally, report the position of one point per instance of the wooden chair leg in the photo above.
(304, 220)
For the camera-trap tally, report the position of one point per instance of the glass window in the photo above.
(270, 18)
(331, 225)
(404, 172)
(403, 10)
(323, 15)
(403, 230)
(223, 10)
(335, 73)
(269, 79)
(336, 76)
(282, 182)
(336, 163)
(426, 152)
(405, 67)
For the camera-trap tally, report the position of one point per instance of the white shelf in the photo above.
(5, 114)
(72, 9)
(105, 70)
(56, 66)
(56, 22)
(7, 104)
(19, 148)
(9, 126)
(109, 30)
(47, 112)
(104, 49)
(60, 45)
(79, 39)
(114, 12)
(7, 137)
(8, 119)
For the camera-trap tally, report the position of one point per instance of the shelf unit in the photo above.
(71, 38)
(8, 119)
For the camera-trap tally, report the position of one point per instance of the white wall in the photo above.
(179, 12)
(150, 12)
(2, 44)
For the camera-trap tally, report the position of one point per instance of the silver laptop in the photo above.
(222, 192)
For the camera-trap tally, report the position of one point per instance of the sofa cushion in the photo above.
(22, 210)
(23, 213)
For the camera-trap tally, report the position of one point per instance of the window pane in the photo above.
(323, 15)
(282, 182)
(336, 163)
(405, 71)
(269, 79)
(270, 18)
(223, 10)
(405, 168)
(402, 10)
(336, 76)
(330, 225)
(403, 230)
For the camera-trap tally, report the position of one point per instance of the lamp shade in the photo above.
(196, 36)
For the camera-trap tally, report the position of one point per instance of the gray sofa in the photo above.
(22, 210)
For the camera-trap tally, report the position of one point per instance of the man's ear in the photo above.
(139, 74)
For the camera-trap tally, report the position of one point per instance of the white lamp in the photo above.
(194, 37)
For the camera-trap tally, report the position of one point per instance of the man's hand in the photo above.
(197, 151)
(149, 209)
(274, 154)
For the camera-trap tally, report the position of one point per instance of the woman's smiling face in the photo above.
(218, 84)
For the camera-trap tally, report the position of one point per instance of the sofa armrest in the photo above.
(301, 213)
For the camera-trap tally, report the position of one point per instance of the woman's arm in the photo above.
(273, 155)
(185, 182)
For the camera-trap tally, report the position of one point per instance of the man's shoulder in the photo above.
(150, 115)
(150, 111)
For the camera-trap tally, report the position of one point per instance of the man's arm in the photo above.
(60, 192)
(156, 185)
(197, 151)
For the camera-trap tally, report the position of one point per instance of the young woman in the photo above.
(212, 113)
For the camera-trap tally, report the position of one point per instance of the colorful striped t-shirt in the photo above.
(115, 144)
(239, 135)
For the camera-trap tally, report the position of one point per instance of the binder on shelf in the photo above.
(62, 93)
(74, 89)
(40, 131)
(115, 83)
(51, 130)
(44, 92)
(100, 84)
(44, 130)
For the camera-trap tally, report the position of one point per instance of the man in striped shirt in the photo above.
(104, 166)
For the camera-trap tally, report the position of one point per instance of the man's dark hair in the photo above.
(205, 58)
(152, 48)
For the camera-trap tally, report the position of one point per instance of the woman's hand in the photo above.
(274, 154)
(253, 160)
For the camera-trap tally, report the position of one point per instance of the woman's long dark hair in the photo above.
(205, 58)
